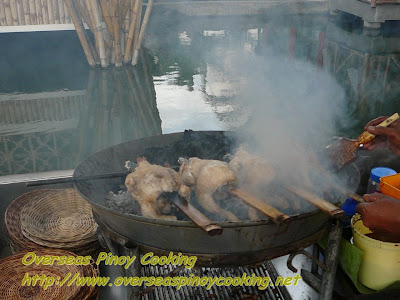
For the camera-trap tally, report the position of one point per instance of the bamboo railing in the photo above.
(33, 12)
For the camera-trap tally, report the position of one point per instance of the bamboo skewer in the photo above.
(26, 9)
(142, 32)
(99, 37)
(129, 40)
(20, 11)
(271, 212)
(322, 204)
(80, 31)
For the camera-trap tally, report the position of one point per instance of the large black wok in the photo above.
(241, 242)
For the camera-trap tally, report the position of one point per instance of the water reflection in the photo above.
(368, 68)
(185, 79)
(57, 130)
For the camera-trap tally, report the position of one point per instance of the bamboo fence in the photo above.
(116, 25)
(33, 12)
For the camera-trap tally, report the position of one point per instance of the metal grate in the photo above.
(265, 269)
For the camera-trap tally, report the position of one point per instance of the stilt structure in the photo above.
(117, 28)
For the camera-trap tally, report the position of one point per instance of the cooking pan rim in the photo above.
(224, 224)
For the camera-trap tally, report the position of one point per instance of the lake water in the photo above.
(200, 74)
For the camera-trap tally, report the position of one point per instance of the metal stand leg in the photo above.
(325, 284)
(134, 271)
(331, 260)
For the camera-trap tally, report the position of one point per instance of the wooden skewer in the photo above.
(271, 212)
(196, 216)
(322, 204)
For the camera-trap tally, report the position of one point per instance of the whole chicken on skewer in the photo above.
(148, 182)
(206, 177)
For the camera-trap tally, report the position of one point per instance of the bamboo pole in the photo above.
(27, 17)
(84, 15)
(117, 37)
(107, 17)
(56, 12)
(20, 13)
(137, 24)
(128, 45)
(50, 11)
(45, 11)
(38, 9)
(14, 12)
(3, 21)
(7, 11)
(142, 32)
(127, 22)
(99, 30)
(79, 30)
(61, 11)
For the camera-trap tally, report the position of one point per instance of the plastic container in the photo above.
(380, 264)
(390, 185)
(375, 176)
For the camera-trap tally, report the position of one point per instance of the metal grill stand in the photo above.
(323, 284)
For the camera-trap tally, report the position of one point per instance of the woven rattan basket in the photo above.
(18, 241)
(13, 272)
(60, 216)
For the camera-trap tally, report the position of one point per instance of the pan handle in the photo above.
(50, 181)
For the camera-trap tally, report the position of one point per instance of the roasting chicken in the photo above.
(206, 177)
(253, 172)
(148, 182)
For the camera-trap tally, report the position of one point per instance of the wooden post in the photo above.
(79, 30)
(142, 32)
(27, 17)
